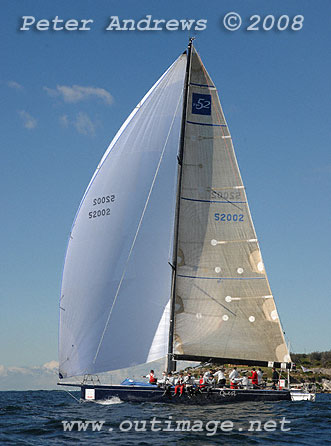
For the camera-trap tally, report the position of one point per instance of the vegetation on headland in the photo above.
(313, 367)
(314, 359)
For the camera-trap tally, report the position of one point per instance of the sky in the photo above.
(64, 94)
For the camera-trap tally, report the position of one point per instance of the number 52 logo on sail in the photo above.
(201, 104)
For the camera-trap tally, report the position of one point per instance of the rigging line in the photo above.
(219, 195)
(79, 401)
(138, 229)
(215, 300)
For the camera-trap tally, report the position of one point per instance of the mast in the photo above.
(171, 364)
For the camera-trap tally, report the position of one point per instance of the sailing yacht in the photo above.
(163, 260)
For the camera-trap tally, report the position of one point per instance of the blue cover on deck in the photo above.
(131, 382)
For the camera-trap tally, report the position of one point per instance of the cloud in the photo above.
(29, 121)
(84, 125)
(16, 85)
(46, 376)
(20, 370)
(77, 93)
(51, 365)
(81, 122)
(29, 378)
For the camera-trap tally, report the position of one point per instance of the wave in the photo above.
(108, 402)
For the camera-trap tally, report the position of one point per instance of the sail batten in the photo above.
(234, 361)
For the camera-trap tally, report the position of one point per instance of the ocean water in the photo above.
(36, 418)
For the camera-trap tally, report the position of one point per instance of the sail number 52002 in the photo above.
(99, 213)
(228, 217)
(100, 201)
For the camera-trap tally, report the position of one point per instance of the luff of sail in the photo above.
(224, 307)
(116, 278)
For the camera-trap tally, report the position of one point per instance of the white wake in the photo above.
(110, 401)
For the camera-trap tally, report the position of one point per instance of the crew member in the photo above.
(169, 382)
(259, 377)
(207, 374)
(202, 382)
(234, 376)
(151, 377)
(275, 378)
(221, 380)
(189, 383)
(254, 379)
(161, 382)
(179, 384)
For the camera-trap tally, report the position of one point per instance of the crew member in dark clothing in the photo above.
(275, 378)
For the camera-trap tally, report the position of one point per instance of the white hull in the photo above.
(299, 395)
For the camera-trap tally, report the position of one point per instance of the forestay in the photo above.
(116, 279)
(224, 305)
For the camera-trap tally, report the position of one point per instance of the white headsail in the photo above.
(116, 279)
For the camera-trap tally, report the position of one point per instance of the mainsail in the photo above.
(224, 307)
(116, 279)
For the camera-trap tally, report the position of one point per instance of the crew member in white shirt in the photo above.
(161, 382)
(259, 377)
(221, 380)
(169, 382)
(245, 382)
(234, 378)
(189, 383)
